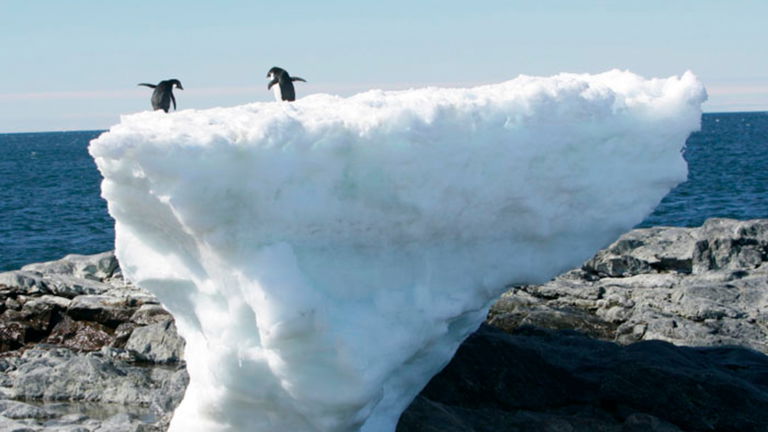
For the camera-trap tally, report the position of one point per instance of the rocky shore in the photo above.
(81, 350)
(664, 330)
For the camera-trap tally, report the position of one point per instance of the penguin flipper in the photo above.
(271, 83)
(298, 79)
(148, 85)
(173, 99)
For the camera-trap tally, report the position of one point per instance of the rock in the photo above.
(9, 425)
(80, 335)
(59, 374)
(648, 250)
(647, 423)
(13, 303)
(94, 310)
(157, 343)
(150, 314)
(71, 286)
(730, 244)
(13, 335)
(21, 410)
(536, 379)
(122, 334)
(131, 295)
(41, 313)
(23, 281)
(689, 286)
(424, 415)
(93, 267)
(103, 309)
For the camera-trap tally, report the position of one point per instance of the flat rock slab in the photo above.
(705, 286)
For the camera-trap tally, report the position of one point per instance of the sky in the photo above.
(74, 65)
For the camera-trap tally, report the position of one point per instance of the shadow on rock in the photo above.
(549, 380)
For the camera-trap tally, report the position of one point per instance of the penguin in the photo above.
(163, 94)
(284, 89)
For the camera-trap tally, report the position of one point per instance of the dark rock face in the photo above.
(536, 379)
(102, 355)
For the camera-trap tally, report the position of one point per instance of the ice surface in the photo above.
(325, 258)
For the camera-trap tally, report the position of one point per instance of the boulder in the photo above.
(156, 343)
(728, 244)
(96, 267)
(150, 314)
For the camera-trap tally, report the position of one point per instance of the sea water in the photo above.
(50, 202)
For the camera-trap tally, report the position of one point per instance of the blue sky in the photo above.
(68, 65)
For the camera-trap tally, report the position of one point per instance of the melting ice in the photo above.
(324, 259)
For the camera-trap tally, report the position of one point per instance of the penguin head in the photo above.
(177, 83)
(275, 72)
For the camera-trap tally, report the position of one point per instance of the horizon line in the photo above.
(756, 111)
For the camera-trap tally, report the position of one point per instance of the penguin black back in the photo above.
(284, 90)
(163, 94)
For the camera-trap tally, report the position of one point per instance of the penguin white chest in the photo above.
(275, 87)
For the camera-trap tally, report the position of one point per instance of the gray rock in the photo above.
(657, 249)
(157, 343)
(20, 410)
(10, 425)
(725, 244)
(59, 374)
(68, 277)
(690, 286)
(70, 428)
(23, 281)
(150, 314)
(93, 267)
(131, 295)
(72, 286)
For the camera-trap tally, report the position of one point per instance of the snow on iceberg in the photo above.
(324, 259)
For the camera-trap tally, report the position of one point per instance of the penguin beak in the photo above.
(180, 87)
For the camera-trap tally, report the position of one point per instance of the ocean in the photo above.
(50, 203)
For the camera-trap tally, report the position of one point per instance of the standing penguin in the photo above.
(284, 90)
(163, 94)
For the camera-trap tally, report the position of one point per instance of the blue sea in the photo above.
(50, 204)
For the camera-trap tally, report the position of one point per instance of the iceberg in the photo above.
(325, 258)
